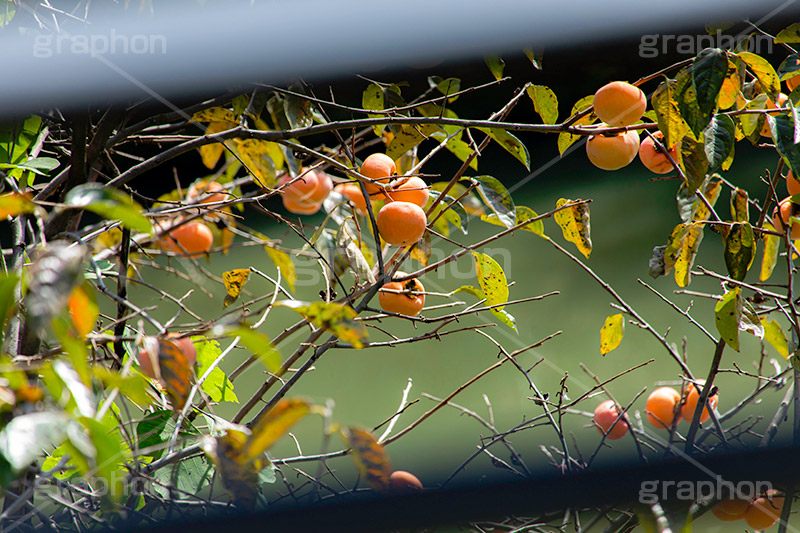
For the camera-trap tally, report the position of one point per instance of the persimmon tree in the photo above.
(108, 413)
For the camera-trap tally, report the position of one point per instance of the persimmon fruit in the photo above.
(410, 302)
(787, 209)
(352, 192)
(401, 223)
(604, 416)
(662, 409)
(692, 397)
(782, 99)
(191, 238)
(731, 509)
(619, 103)
(208, 192)
(613, 152)
(654, 158)
(792, 185)
(300, 208)
(379, 167)
(764, 511)
(414, 190)
(401, 481)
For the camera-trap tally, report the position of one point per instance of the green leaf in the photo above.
(26, 436)
(335, 317)
(565, 140)
(740, 250)
(109, 203)
(727, 314)
(789, 67)
(372, 99)
(259, 344)
(17, 138)
(496, 197)
(8, 299)
(770, 257)
(790, 34)
(719, 140)
(510, 143)
(668, 114)
(762, 70)
(691, 208)
(496, 66)
(708, 72)
(545, 102)
(154, 431)
(408, 136)
(299, 111)
(575, 225)
(523, 214)
(775, 336)
(692, 159)
(740, 209)
(39, 165)
(786, 134)
(455, 213)
(133, 386)
(217, 385)
(491, 279)
(611, 333)
(106, 459)
(189, 475)
(446, 86)
(462, 151)
(695, 117)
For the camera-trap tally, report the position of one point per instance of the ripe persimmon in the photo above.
(191, 238)
(764, 511)
(654, 158)
(692, 397)
(300, 188)
(613, 152)
(352, 192)
(410, 302)
(301, 207)
(730, 510)
(207, 192)
(402, 481)
(324, 188)
(662, 407)
(414, 190)
(379, 167)
(604, 416)
(792, 185)
(401, 223)
(787, 210)
(619, 103)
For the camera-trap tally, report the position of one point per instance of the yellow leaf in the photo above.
(210, 153)
(574, 222)
(689, 247)
(273, 425)
(611, 333)
(282, 260)
(215, 114)
(370, 458)
(13, 204)
(770, 257)
(234, 280)
(258, 156)
(240, 478)
(774, 335)
(334, 317)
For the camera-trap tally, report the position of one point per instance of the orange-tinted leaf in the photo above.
(234, 280)
(335, 317)
(83, 308)
(13, 204)
(240, 478)
(273, 425)
(370, 458)
(174, 372)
